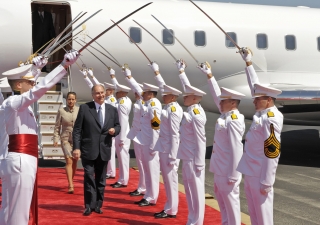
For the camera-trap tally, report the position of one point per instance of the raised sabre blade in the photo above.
(103, 32)
(64, 30)
(157, 40)
(134, 42)
(176, 39)
(67, 35)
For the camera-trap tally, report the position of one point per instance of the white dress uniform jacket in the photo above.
(19, 169)
(3, 134)
(260, 159)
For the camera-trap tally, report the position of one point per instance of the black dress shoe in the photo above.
(87, 212)
(135, 193)
(138, 202)
(118, 185)
(163, 215)
(114, 184)
(145, 203)
(110, 177)
(158, 213)
(98, 210)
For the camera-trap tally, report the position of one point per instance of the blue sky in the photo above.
(309, 3)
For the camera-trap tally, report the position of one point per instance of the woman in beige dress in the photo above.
(65, 120)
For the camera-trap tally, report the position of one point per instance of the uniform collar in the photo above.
(265, 111)
(121, 98)
(234, 111)
(110, 96)
(191, 107)
(171, 103)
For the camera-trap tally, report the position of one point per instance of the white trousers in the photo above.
(194, 187)
(260, 206)
(151, 168)
(18, 176)
(228, 199)
(170, 180)
(138, 152)
(123, 160)
(111, 168)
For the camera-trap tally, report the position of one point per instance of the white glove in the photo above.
(154, 66)
(90, 72)
(112, 72)
(70, 58)
(171, 162)
(264, 189)
(205, 68)
(246, 54)
(126, 71)
(84, 72)
(199, 168)
(39, 61)
(181, 64)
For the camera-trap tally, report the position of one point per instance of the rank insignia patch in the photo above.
(121, 101)
(173, 109)
(234, 116)
(112, 100)
(155, 122)
(196, 111)
(272, 147)
(142, 102)
(152, 104)
(270, 114)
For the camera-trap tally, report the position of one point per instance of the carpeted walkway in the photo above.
(59, 208)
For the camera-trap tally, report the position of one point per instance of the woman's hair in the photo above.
(71, 93)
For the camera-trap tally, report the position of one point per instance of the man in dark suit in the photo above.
(93, 130)
(42, 28)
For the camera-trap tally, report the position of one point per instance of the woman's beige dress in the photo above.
(65, 122)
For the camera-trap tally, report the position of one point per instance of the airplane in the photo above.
(284, 40)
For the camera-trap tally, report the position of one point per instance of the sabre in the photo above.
(176, 39)
(67, 35)
(62, 45)
(230, 38)
(133, 42)
(104, 49)
(118, 64)
(157, 40)
(108, 67)
(64, 30)
(90, 42)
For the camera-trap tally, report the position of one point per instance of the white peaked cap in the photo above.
(170, 90)
(230, 94)
(261, 90)
(149, 87)
(22, 72)
(108, 86)
(190, 90)
(124, 88)
(4, 85)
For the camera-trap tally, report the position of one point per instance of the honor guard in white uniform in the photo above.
(168, 144)
(227, 149)
(192, 148)
(3, 134)
(135, 128)
(262, 148)
(20, 166)
(111, 100)
(147, 137)
(122, 143)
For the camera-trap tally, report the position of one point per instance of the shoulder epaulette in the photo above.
(234, 116)
(173, 109)
(121, 101)
(196, 111)
(152, 104)
(112, 100)
(270, 114)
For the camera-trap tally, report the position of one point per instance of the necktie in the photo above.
(100, 117)
(41, 16)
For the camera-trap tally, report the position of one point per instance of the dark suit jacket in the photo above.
(88, 135)
(42, 32)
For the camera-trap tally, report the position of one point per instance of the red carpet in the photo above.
(59, 208)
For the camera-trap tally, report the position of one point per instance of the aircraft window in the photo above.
(167, 38)
(229, 44)
(318, 40)
(199, 38)
(290, 42)
(262, 41)
(135, 34)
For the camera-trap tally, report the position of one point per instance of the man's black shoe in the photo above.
(118, 185)
(135, 193)
(114, 184)
(163, 215)
(110, 177)
(145, 203)
(87, 212)
(158, 213)
(98, 210)
(138, 202)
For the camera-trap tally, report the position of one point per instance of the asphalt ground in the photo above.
(297, 186)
